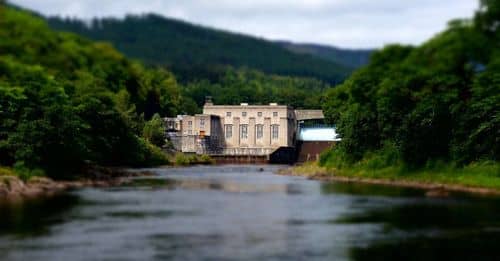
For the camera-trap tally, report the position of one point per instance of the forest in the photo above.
(67, 102)
(427, 106)
(194, 52)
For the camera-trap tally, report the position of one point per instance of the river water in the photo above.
(246, 213)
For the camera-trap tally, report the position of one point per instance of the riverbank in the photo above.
(13, 187)
(484, 180)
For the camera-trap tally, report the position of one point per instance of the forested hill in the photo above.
(424, 105)
(67, 102)
(351, 58)
(195, 51)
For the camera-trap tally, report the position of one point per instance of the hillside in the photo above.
(430, 106)
(196, 52)
(67, 102)
(347, 57)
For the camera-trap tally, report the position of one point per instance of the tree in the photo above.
(154, 131)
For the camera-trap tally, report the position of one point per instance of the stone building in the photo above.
(254, 129)
(235, 129)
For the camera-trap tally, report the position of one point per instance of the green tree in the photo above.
(154, 131)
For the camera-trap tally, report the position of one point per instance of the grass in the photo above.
(182, 159)
(4, 171)
(21, 172)
(484, 174)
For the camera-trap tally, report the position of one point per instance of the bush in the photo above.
(335, 158)
(154, 131)
(387, 156)
(181, 159)
(4, 171)
(150, 155)
(26, 173)
(206, 159)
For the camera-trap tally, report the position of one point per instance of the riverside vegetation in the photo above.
(67, 102)
(428, 113)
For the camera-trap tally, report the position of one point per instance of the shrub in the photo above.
(26, 173)
(4, 171)
(206, 159)
(181, 159)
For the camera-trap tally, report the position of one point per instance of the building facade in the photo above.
(234, 129)
(254, 129)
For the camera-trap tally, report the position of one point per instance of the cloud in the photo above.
(345, 23)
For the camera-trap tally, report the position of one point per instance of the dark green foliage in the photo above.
(66, 101)
(254, 87)
(350, 58)
(154, 131)
(436, 102)
(231, 68)
(194, 52)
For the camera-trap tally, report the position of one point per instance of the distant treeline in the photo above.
(199, 53)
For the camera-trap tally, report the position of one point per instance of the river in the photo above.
(248, 213)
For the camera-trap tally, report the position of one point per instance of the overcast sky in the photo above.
(344, 23)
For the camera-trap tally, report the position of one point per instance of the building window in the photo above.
(228, 114)
(275, 114)
(190, 123)
(259, 129)
(259, 114)
(202, 123)
(244, 131)
(244, 114)
(275, 131)
(190, 132)
(228, 130)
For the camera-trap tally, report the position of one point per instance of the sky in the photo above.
(342, 23)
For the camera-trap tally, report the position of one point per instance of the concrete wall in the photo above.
(310, 150)
(301, 115)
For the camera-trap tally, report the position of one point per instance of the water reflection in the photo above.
(34, 217)
(417, 228)
(242, 213)
(464, 245)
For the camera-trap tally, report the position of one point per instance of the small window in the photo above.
(259, 129)
(202, 122)
(244, 114)
(274, 131)
(275, 114)
(228, 129)
(259, 114)
(244, 131)
(190, 123)
(228, 114)
(190, 132)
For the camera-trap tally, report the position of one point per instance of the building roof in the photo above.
(246, 105)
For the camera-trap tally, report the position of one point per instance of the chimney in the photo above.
(208, 101)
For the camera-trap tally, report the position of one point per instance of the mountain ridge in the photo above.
(353, 58)
(194, 51)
